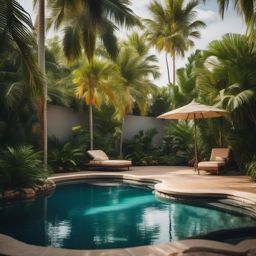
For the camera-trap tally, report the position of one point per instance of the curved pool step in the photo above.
(231, 236)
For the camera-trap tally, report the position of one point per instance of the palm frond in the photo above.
(16, 25)
(109, 40)
(71, 43)
(89, 43)
(119, 11)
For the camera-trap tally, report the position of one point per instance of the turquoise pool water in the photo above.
(89, 216)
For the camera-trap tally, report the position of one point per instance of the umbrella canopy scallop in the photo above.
(194, 110)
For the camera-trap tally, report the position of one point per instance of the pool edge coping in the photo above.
(161, 186)
(13, 247)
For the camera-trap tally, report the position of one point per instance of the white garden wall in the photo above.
(133, 124)
(62, 119)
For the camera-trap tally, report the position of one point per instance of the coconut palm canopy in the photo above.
(194, 110)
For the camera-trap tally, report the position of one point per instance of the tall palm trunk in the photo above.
(121, 139)
(174, 68)
(41, 62)
(91, 127)
(168, 72)
(167, 67)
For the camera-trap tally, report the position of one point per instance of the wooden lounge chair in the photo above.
(218, 160)
(100, 159)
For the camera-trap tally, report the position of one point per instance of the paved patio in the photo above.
(174, 181)
(180, 180)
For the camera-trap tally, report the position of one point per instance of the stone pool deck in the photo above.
(174, 181)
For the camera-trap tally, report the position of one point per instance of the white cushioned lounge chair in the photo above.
(100, 159)
(218, 160)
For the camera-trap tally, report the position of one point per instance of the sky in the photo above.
(208, 12)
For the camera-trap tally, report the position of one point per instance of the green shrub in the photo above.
(178, 143)
(65, 156)
(21, 167)
(176, 148)
(140, 149)
(170, 160)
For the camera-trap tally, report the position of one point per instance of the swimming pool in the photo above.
(99, 215)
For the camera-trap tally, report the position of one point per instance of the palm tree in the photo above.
(139, 44)
(41, 63)
(228, 79)
(84, 20)
(136, 67)
(239, 57)
(135, 81)
(17, 112)
(95, 83)
(172, 27)
(230, 70)
(186, 90)
(245, 8)
(135, 71)
(60, 89)
(16, 32)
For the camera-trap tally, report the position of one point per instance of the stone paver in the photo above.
(174, 181)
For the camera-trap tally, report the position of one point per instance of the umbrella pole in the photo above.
(196, 159)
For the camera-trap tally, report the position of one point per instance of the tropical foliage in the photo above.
(84, 21)
(173, 27)
(186, 91)
(177, 147)
(160, 102)
(59, 79)
(136, 69)
(65, 156)
(229, 82)
(18, 112)
(16, 35)
(179, 142)
(223, 76)
(140, 149)
(115, 78)
(245, 8)
(95, 85)
(21, 167)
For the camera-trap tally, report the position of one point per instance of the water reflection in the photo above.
(25, 221)
(57, 232)
(84, 216)
(189, 221)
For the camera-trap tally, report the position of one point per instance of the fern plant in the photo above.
(65, 157)
(179, 141)
(21, 167)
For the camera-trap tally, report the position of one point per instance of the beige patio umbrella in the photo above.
(193, 111)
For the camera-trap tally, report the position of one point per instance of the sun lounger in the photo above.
(218, 160)
(100, 159)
